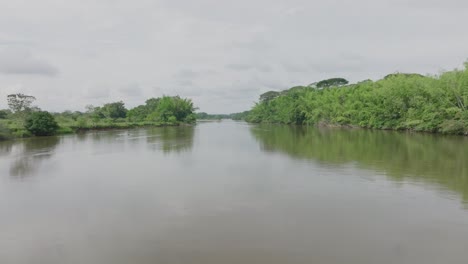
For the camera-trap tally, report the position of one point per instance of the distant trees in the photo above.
(164, 109)
(399, 101)
(409, 75)
(41, 123)
(239, 116)
(332, 82)
(205, 116)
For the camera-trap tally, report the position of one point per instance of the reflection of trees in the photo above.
(31, 152)
(417, 157)
(5, 147)
(171, 139)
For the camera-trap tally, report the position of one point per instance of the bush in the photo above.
(3, 114)
(452, 127)
(41, 123)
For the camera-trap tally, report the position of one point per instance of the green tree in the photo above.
(268, 96)
(41, 123)
(114, 110)
(399, 102)
(332, 82)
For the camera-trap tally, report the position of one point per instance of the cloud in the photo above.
(248, 66)
(131, 90)
(97, 93)
(23, 62)
(222, 54)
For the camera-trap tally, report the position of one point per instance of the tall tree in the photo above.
(20, 102)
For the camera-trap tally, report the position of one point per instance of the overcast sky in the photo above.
(220, 53)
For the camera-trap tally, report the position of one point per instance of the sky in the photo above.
(221, 54)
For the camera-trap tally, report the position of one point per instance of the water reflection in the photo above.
(5, 147)
(402, 157)
(30, 153)
(171, 139)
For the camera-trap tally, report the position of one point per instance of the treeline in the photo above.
(23, 119)
(233, 116)
(206, 116)
(398, 102)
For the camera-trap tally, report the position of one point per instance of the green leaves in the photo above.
(170, 109)
(399, 101)
(41, 123)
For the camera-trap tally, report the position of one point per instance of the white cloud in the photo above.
(220, 53)
(14, 61)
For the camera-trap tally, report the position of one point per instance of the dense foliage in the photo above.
(399, 101)
(332, 82)
(41, 123)
(23, 119)
(239, 116)
(165, 109)
(3, 114)
(205, 116)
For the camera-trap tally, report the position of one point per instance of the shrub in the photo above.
(3, 114)
(452, 127)
(41, 123)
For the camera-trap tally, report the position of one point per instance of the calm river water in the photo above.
(228, 192)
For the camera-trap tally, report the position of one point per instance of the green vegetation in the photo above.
(332, 82)
(398, 102)
(205, 116)
(23, 120)
(239, 116)
(233, 116)
(41, 123)
(166, 110)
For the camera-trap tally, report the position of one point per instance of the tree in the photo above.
(114, 110)
(407, 75)
(268, 96)
(332, 82)
(20, 102)
(41, 123)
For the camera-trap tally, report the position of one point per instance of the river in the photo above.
(229, 192)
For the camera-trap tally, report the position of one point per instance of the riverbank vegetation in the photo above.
(22, 119)
(233, 116)
(205, 116)
(397, 102)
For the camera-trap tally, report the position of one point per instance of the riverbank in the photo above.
(11, 130)
(410, 102)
